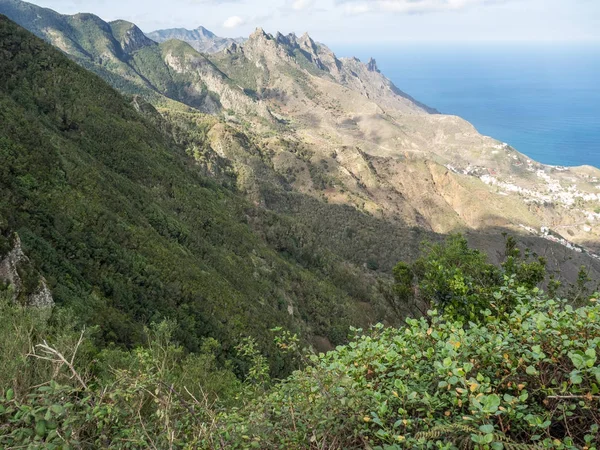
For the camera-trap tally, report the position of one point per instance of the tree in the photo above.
(459, 280)
(527, 271)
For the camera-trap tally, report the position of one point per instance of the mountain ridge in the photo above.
(201, 39)
(337, 130)
(127, 228)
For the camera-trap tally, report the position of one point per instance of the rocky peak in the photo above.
(280, 38)
(263, 45)
(205, 33)
(289, 48)
(234, 48)
(289, 40)
(323, 57)
(307, 43)
(28, 286)
(372, 66)
(129, 36)
(260, 34)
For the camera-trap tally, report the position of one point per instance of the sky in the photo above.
(361, 21)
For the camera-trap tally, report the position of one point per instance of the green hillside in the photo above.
(523, 373)
(307, 147)
(118, 52)
(196, 291)
(126, 228)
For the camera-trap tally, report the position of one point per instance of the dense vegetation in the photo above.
(529, 378)
(521, 377)
(459, 280)
(182, 309)
(122, 222)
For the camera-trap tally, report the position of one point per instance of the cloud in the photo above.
(357, 8)
(410, 6)
(234, 22)
(299, 5)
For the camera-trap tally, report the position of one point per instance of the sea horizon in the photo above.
(542, 98)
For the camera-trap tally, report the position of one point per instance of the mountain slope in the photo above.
(201, 39)
(291, 116)
(126, 229)
(133, 63)
(388, 155)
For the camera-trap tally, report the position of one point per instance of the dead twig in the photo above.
(49, 353)
(575, 397)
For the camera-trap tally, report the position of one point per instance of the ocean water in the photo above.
(542, 99)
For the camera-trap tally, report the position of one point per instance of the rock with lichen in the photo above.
(17, 273)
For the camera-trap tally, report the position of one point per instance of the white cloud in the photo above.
(299, 5)
(234, 22)
(410, 6)
(358, 8)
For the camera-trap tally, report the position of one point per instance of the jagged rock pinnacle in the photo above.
(372, 65)
(308, 42)
(259, 33)
(234, 48)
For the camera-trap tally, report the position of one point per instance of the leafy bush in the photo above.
(529, 379)
(459, 280)
(55, 396)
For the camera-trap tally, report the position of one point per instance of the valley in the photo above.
(333, 146)
(335, 129)
(221, 243)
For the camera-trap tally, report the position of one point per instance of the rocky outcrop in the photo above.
(233, 49)
(262, 46)
(372, 66)
(286, 48)
(28, 286)
(329, 60)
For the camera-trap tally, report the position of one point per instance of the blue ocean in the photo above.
(543, 99)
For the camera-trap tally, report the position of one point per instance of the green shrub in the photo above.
(527, 379)
(151, 397)
(454, 278)
(530, 379)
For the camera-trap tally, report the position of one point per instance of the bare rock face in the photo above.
(234, 48)
(29, 287)
(372, 66)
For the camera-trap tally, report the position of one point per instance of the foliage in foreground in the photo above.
(528, 379)
(531, 378)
